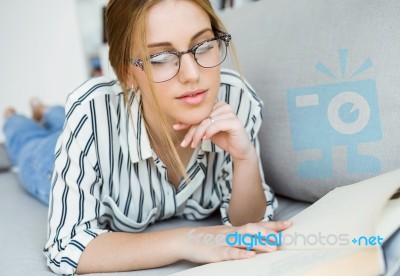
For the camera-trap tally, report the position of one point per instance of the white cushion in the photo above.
(329, 75)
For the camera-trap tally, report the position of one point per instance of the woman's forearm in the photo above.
(116, 251)
(119, 251)
(248, 200)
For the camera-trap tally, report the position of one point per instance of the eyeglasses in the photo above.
(208, 53)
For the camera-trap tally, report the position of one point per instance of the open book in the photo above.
(341, 233)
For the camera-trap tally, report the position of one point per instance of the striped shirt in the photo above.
(108, 178)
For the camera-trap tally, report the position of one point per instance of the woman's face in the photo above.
(178, 25)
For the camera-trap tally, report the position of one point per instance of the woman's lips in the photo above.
(193, 97)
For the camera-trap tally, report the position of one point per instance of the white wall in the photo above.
(90, 18)
(41, 52)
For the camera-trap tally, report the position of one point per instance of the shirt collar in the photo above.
(138, 139)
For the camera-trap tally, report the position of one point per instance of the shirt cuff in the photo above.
(66, 261)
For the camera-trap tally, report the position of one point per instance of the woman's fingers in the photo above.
(208, 128)
(220, 108)
(237, 242)
(224, 121)
(256, 236)
(218, 105)
(261, 237)
(211, 255)
(188, 137)
(181, 126)
(216, 122)
(232, 253)
(277, 225)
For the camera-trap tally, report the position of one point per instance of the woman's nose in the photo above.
(189, 69)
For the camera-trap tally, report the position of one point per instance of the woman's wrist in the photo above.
(250, 156)
(180, 243)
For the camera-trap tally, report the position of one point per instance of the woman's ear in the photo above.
(131, 82)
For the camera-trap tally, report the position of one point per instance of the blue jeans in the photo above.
(31, 148)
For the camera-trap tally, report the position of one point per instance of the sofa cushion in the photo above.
(329, 75)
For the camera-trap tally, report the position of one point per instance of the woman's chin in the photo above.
(193, 120)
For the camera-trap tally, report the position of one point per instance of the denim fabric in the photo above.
(31, 147)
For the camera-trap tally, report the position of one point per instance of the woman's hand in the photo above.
(209, 244)
(224, 129)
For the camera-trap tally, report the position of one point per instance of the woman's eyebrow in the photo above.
(163, 44)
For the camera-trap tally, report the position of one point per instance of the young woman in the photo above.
(174, 136)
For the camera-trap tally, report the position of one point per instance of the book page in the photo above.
(296, 262)
(324, 234)
(346, 217)
(369, 261)
(389, 221)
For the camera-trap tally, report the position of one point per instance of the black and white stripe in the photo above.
(108, 178)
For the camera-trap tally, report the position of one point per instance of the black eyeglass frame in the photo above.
(226, 38)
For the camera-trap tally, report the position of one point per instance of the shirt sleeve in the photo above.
(249, 108)
(74, 199)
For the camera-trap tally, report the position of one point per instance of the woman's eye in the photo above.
(205, 47)
(162, 59)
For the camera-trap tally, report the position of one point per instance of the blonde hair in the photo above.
(124, 20)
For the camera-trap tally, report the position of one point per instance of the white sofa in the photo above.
(285, 47)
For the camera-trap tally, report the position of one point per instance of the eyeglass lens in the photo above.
(208, 54)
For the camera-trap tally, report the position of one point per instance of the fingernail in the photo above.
(287, 222)
(192, 145)
(183, 144)
(204, 137)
